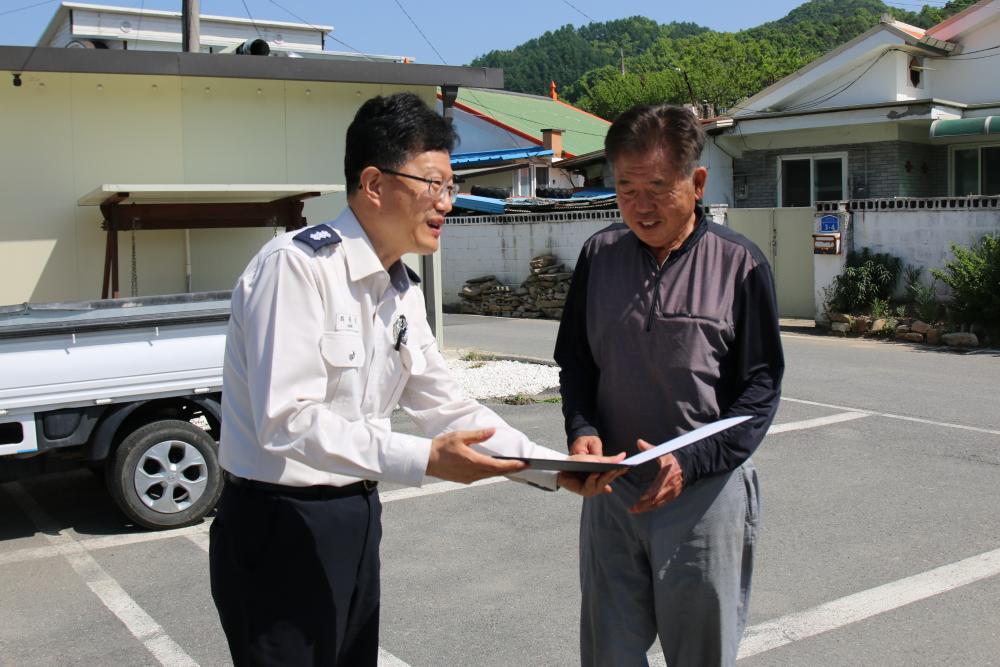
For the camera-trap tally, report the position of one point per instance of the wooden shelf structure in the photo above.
(158, 207)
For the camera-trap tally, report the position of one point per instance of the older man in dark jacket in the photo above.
(671, 324)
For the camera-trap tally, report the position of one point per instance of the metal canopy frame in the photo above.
(123, 215)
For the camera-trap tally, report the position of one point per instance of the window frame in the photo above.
(979, 146)
(812, 157)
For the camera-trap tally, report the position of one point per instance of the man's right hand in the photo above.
(454, 460)
(587, 444)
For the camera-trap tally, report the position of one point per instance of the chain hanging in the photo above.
(135, 274)
(274, 220)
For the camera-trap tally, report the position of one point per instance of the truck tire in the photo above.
(166, 475)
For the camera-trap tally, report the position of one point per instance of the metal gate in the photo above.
(784, 235)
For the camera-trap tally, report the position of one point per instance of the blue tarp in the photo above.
(481, 204)
(486, 157)
(594, 192)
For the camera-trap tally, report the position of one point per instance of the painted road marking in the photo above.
(114, 597)
(874, 601)
(892, 416)
(859, 606)
(434, 489)
(386, 659)
(814, 423)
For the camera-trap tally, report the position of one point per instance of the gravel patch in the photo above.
(496, 379)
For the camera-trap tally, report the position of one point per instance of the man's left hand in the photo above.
(667, 485)
(595, 483)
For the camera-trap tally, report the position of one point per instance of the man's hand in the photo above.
(667, 485)
(594, 483)
(452, 459)
(587, 444)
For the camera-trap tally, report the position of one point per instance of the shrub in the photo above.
(974, 279)
(867, 276)
(924, 296)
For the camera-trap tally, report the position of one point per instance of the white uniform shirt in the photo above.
(311, 375)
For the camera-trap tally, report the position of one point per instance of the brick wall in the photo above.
(886, 170)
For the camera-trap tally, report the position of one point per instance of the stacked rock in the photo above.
(544, 291)
(542, 294)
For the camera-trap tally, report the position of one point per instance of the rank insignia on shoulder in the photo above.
(318, 236)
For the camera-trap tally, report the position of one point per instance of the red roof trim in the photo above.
(513, 130)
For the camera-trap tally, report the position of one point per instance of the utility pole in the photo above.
(190, 26)
(623, 61)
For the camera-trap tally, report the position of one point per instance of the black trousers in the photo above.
(296, 581)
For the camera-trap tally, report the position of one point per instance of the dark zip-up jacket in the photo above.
(654, 352)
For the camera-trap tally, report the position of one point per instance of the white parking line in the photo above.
(813, 423)
(892, 416)
(114, 597)
(432, 489)
(874, 601)
(859, 606)
(386, 659)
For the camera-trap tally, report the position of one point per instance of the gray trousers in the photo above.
(682, 571)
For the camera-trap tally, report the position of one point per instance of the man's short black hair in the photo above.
(389, 131)
(644, 128)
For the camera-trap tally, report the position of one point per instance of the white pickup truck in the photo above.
(130, 388)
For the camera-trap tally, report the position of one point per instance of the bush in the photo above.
(925, 301)
(974, 279)
(868, 276)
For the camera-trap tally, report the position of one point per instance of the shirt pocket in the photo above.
(344, 355)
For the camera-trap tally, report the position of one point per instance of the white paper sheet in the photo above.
(686, 439)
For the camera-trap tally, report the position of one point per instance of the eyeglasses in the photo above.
(435, 186)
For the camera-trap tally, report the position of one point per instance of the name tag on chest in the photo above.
(347, 322)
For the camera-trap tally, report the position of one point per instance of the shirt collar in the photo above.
(700, 227)
(362, 261)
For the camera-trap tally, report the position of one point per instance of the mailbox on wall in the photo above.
(826, 244)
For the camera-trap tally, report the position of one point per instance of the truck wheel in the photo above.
(166, 475)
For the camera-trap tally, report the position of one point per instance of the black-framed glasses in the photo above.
(436, 187)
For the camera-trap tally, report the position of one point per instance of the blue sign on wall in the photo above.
(829, 223)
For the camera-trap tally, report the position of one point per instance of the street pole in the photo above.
(190, 26)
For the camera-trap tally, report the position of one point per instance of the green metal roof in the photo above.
(530, 114)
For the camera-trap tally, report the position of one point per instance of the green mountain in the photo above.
(680, 61)
(567, 53)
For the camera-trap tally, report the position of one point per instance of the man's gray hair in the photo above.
(644, 128)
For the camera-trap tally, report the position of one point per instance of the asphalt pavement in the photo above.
(880, 542)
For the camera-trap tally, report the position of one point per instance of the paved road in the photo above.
(872, 549)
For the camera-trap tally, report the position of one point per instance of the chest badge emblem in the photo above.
(399, 332)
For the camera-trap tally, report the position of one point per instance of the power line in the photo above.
(287, 11)
(254, 23)
(421, 32)
(21, 9)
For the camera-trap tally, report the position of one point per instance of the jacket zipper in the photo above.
(656, 290)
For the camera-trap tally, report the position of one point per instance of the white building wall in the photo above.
(922, 238)
(970, 79)
(471, 250)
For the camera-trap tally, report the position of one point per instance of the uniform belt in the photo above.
(320, 492)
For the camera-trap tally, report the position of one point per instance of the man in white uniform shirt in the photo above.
(328, 334)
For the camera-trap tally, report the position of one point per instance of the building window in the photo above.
(806, 179)
(975, 170)
(528, 179)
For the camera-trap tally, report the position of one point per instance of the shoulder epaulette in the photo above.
(318, 236)
(413, 274)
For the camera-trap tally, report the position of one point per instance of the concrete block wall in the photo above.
(886, 170)
(922, 238)
(473, 247)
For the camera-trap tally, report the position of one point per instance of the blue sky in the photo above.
(459, 30)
